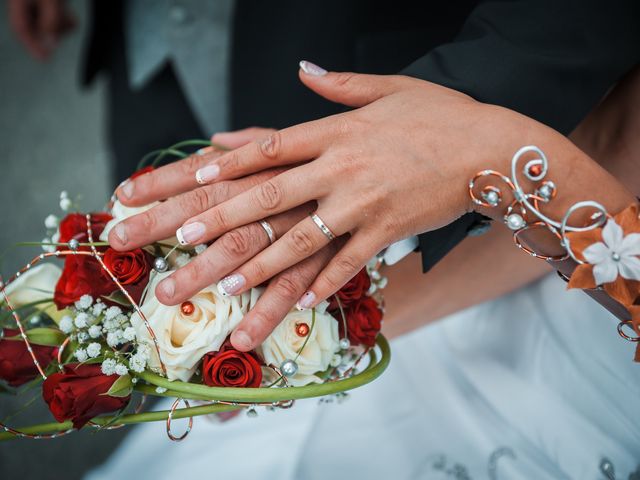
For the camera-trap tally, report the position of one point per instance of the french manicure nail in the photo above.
(241, 340)
(205, 150)
(120, 231)
(312, 69)
(306, 301)
(127, 189)
(168, 287)
(231, 285)
(190, 233)
(207, 174)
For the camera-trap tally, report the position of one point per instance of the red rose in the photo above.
(142, 171)
(16, 364)
(352, 291)
(74, 225)
(364, 320)
(230, 368)
(131, 268)
(78, 394)
(81, 275)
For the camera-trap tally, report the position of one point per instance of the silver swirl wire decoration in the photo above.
(528, 204)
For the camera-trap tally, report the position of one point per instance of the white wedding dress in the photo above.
(534, 385)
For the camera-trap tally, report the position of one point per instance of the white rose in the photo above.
(34, 285)
(184, 339)
(119, 212)
(284, 343)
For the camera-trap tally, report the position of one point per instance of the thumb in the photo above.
(352, 89)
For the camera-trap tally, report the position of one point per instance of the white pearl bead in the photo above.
(289, 368)
(515, 221)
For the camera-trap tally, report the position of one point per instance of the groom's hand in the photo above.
(185, 198)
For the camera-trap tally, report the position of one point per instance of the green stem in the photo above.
(132, 418)
(245, 395)
(261, 395)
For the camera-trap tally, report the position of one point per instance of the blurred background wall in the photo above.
(51, 139)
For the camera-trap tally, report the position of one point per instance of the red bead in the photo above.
(187, 308)
(535, 170)
(302, 329)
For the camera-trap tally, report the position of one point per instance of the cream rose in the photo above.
(34, 285)
(120, 212)
(285, 342)
(184, 336)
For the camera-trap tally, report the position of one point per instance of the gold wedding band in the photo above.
(321, 225)
(268, 230)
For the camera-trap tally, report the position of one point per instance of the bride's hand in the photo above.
(396, 166)
(186, 198)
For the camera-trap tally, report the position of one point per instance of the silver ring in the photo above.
(321, 225)
(268, 230)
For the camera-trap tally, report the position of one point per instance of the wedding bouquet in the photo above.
(91, 333)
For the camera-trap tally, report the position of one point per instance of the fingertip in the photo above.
(165, 291)
(118, 237)
(241, 341)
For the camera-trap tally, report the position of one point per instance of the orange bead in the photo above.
(187, 308)
(302, 329)
(535, 170)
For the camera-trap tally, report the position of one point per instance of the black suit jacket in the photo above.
(551, 60)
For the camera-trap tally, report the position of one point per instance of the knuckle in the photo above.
(236, 243)
(219, 219)
(220, 192)
(268, 195)
(301, 242)
(345, 267)
(344, 79)
(260, 320)
(230, 162)
(270, 146)
(148, 220)
(258, 271)
(189, 165)
(287, 287)
(201, 199)
(192, 272)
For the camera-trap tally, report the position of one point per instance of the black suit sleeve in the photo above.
(551, 60)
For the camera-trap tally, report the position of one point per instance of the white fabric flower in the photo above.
(119, 212)
(284, 343)
(184, 339)
(617, 255)
(34, 285)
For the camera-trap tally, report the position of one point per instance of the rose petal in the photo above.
(597, 253)
(612, 234)
(605, 272)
